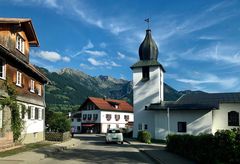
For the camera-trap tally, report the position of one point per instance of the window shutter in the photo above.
(29, 112)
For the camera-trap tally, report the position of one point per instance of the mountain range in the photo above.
(69, 88)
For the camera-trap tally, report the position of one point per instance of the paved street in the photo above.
(89, 149)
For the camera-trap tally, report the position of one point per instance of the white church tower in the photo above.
(147, 85)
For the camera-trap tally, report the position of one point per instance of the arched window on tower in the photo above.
(233, 118)
(145, 73)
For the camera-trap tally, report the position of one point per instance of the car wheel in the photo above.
(122, 142)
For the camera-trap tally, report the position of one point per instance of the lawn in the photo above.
(24, 148)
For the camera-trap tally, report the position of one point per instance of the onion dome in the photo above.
(148, 49)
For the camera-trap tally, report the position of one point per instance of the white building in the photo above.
(98, 114)
(192, 113)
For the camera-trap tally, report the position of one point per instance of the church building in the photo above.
(192, 113)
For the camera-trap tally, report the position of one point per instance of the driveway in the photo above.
(86, 149)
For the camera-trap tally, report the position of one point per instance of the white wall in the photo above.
(33, 125)
(198, 121)
(220, 116)
(113, 123)
(144, 94)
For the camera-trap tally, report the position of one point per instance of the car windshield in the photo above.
(113, 131)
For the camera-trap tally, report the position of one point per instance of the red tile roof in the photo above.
(105, 104)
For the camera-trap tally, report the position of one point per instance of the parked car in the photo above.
(114, 135)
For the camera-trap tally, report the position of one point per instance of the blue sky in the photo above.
(198, 41)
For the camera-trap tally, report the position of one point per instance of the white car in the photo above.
(114, 135)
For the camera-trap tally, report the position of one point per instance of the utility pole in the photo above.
(168, 120)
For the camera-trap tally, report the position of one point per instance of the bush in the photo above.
(58, 122)
(144, 136)
(223, 147)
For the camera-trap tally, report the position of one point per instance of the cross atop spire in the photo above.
(148, 22)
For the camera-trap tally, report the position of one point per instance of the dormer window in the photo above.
(2, 69)
(20, 43)
(145, 73)
(19, 79)
(32, 89)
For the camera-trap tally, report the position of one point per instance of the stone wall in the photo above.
(54, 136)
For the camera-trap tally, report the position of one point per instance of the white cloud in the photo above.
(229, 54)
(85, 66)
(88, 46)
(103, 45)
(50, 56)
(86, 50)
(95, 53)
(108, 64)
(120, 55)
(206, 78)
(45, 3)
(66, 59)
(209, 38)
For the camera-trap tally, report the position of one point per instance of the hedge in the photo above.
(223, 147)
(144, 136)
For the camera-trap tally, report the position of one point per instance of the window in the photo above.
(20, 44)
(78, 128)
(29, 112)
(89, 116)
(145, 73)
(79, 120)
(117, 117)
(139, 127)
(84, 116)
(95, 116)
(32, 112)
(182, 126)
(43, 114)
(2, 69)
(36, 113)
(116, 106)
(19, 79)
(145, 127)
(1, 117)
(233, 118)
(40, 113)
(32, 86)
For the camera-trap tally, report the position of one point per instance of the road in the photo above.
(91, 149)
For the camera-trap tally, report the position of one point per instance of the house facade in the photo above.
(16, 37)
(192, 113)
(96, 115)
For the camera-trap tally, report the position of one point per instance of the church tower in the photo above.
(147, 84)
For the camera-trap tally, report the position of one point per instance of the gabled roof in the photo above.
(108, 104)
(26, 25)
(28, 66)
(198, 101)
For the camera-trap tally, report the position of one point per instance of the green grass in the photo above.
(24, 148)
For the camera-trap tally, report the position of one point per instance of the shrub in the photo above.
(58, 122)
(223, 147)
(144, 136)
